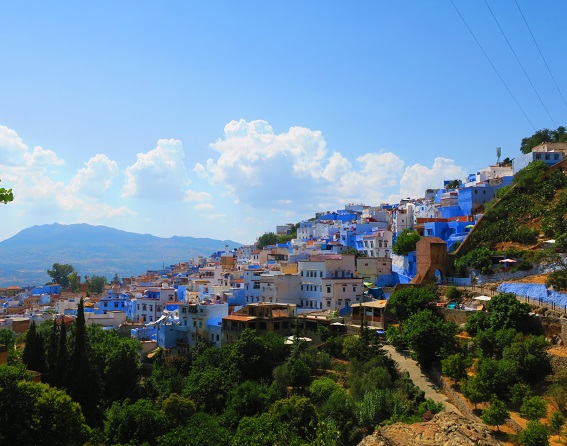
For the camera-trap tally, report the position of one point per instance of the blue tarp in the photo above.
(534, 291)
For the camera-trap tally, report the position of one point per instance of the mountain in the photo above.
(26, 257)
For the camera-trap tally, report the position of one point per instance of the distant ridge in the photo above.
(26, 257)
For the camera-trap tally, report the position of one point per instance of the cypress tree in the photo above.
(84, 381)
(33, 356)
(52, 354)
(61, 369)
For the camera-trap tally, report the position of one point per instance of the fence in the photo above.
(490, 292)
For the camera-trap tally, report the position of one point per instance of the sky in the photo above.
(223, 119)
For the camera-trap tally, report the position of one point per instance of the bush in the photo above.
(453, 293)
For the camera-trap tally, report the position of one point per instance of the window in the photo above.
(105, 304)
(547, 156)
(301, 287)
(538, 156)
(144, 307)
(556, 156)
(194, 323)
(200, 324)
(354, 289)
(328, 304)
(320, 273)
(340, 302)
(115, 304)
(328, 289)
(218, 338)
(344, 289)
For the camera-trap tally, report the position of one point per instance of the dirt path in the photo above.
(406, 364)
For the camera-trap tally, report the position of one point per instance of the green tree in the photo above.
(541, 136)
(453, 184)
(506, 311)
(52, 354)
(321, 389)
(297, 412)
(200, 430)
(557, 421)
(247, 399)
(45, 415)
(135, 423)
(61, 368)
(34, 356)
(409, 300)
(474, 389)
(84, 382)
(533, 408)
(265, 430)
(97, 283)
(178, 409)
(7, 337)
(531, 357)
(6, 195)
(455, 366)
(495, 414)
(429, 336)
(535, 434)
(74, 282)
(60, 274)
(269, 238)
(406, 242)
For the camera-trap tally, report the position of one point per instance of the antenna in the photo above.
(498, 154)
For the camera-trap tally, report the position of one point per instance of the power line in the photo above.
(493, 67)
(541, 54)
(519, 63)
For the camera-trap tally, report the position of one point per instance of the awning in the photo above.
(369, 285)
(485, 298)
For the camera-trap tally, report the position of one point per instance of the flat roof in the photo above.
(374, 304)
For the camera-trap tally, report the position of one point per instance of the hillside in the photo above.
(519, 221)
(26, 257)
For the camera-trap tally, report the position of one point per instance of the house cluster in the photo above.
(313, 279)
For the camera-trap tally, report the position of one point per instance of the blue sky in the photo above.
(224, 119)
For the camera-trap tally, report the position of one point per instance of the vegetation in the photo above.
(255, 391)
(60, 273)
(406, 242)
(6, 195)
(541, 136)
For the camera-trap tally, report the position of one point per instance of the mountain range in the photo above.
(26, 257)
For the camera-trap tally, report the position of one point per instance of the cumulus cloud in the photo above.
(41, 157)
(417, 178)
(159, 173)
(12, 148)
(191, 195)
(295, 171)
(96, 177)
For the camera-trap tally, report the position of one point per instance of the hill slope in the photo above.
(26, 257)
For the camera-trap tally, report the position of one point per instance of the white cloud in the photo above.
(204, 206)
(42, 158)
(96, 177)
(191, 195)
(159, 173)
(12, 148)
(417, 178)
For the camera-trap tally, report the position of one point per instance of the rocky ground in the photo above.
(445, 429)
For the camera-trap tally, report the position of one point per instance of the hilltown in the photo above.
(314, 279)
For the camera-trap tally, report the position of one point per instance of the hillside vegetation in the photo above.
(519, 219)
